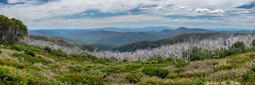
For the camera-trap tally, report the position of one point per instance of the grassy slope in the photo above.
(45, 68)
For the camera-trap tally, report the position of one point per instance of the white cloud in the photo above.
(208, 11)
(176, 20)
(159, 8)
(29, 12)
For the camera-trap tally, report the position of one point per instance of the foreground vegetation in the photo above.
(24, 64)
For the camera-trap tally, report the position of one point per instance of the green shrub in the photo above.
(225, 67)
(253, 68)
(134, 77)
(47, 49)
(126, 60)
(220, 53)
(79, 69)
(101, 61)
(17, 47)
(75, 79)
(12, 63)
(153, 71)
(30, 59)
(89, 57)
(197, 54)
(179, 71)
(59, 52)
(172, 75)
(8, 78)
(250, 78)
(253, 42)
(128, 68)
(237, 47)
(112, 70)
(186, 83)
(27, 52)
(0, 51)
(181, 63)
(33, 48)
(93, 80)
(250, 83)
(151, 82)
(239, 44)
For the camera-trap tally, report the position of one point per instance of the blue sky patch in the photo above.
(3, 1)
(248, 6)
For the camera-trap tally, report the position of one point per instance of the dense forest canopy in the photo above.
(11, 30)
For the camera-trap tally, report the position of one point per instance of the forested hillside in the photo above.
(173, 40)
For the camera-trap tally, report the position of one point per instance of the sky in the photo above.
(85, 14)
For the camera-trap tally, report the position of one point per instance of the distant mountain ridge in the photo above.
(107, 38)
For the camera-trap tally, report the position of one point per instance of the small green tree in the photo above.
(253, 42)
(240, 45)
(198, 54)
(11, 30)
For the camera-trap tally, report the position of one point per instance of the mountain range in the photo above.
(108, 38)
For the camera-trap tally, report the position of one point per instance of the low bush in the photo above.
(79, 69)
(126, 60)
(17, 47)
(101, 61)
(27, 52)
(134, 77)
(47, 49)
(89, 57)
(151, 82)
(12, 63)
(179, 71)
(181, 63)
(8, 78)
(253, 68)
(249, 77)
(110, 70)
(128, 68)
(30, 59)
(225, 67)
(172, 75)
(186, 83)
(153, 71)
(75, 79)
(59, 52)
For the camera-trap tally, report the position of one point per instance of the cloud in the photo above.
(208, 11)
(110, 12)
(176, 20)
